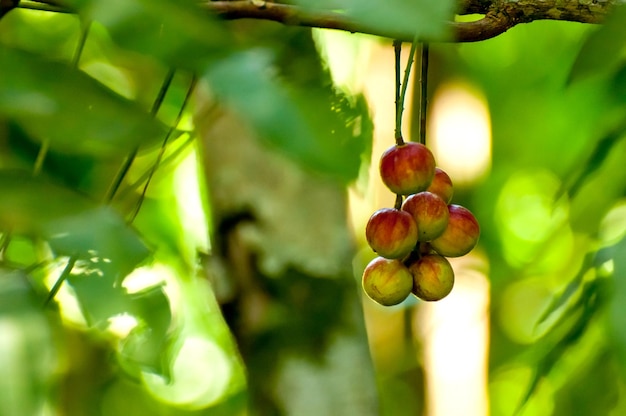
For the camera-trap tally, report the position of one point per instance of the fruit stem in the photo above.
(84, 32)
(423, 92)
(128, 161)
(159, 158)
(397, 48)
(404, 84)
(398, 203)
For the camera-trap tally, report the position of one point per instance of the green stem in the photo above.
(157, 162)
(405, 81)
(398, 203)
(171, 157)
(397, 48)
(423, 92)
(33, 5)
(128, 161)
(64, 275)
(4, 244)
(84, 32)
(41, 156)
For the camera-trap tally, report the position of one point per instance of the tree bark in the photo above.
(281, 265)
(498, 15)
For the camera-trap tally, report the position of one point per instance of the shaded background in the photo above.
(231, 284)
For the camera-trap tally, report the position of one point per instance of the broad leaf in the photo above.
(69, 110)
(71, 223)
(395, 18)
(617, 317)
(603, 49)
(180, 33)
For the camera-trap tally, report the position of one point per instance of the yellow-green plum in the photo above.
(433, 277)
(386, 281)
(442, 185)
(407, 168)
(430, 212)
(392, 233)
(461, 234)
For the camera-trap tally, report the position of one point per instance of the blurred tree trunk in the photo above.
(282, 268)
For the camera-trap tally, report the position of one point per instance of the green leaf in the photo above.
(69, 110)
(598, 156)
(317, 127)
(98, 232)
(72, 224)
(600, 191)
(147, 344)
(30, 353)
(179, 33)
(603, 49)
(570, 290)
(101, 298)
(576, 319)
(398, 18)
(617, 317)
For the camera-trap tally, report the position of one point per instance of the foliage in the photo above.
(103, 214)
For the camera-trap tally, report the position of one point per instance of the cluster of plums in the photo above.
(412, 242)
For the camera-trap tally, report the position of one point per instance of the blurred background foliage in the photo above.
(116, 297)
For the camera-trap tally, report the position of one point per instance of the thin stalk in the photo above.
(159, 158)
(4, 244)
(423, 92)
(41, 156)
(64, 275)
(398, 203)
(164, 162)
(130, 158)
(33, 5)
(84, 32)
(405, 81)
(397, 48)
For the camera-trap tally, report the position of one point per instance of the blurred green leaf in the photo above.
(179, 33)
(617, 316)
(28, 352)
(598, 156)
(101, 298)
(603, 49)
(147, 344)
(575, 322)
(100, 233)
(570, 290)
(599, 191)
(72, 224)
(70, 111)
(318, 127)
(28, 204)
(423, 18)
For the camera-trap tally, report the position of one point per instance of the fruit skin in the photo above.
(387, 282)
(408, 168)
(430, 212)
(442, 185)
(433, 277)
(391, 233)
(461, 235)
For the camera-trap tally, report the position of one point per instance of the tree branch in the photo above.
(500, 15)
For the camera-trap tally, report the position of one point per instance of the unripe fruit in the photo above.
(433, 277)
(408, 168)
(391, 233)
(442, 185)
(461, 235)
(430, 212)
(387, 282)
